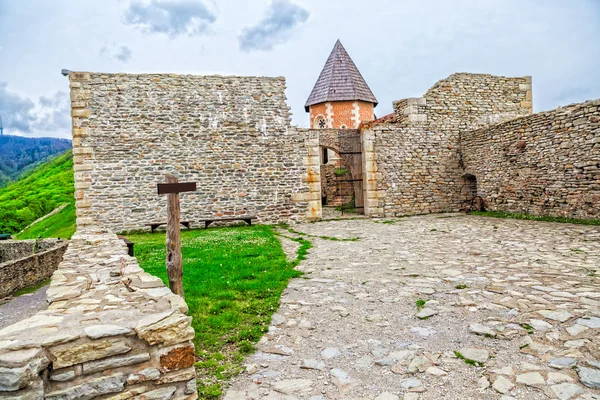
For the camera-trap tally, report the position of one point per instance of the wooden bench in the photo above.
(129, 244)
(155, 225)
(246, 218)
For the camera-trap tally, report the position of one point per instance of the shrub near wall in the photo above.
(543, 164)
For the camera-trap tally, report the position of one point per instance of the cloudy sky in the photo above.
(402, 47)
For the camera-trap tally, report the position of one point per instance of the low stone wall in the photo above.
(25, 268)
(111, 331)
(13, 249)
(543, 164)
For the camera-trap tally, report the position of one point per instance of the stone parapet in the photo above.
(111, 331)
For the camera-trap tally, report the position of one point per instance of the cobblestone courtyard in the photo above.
(519, 300)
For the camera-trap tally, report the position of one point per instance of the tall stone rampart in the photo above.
(416, 165)
(111, 331)
(231, 135)
(544, 164)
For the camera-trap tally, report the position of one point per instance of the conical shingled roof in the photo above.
(340, 80)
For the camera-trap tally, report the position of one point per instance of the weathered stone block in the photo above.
(19, 358)
(163, 393)
(178, 358)
(147, 374)
(90, 389)
(77, 354)
(82, 185)
(80, 132)
(418, 118)
(78, 76)
(306, 196)
(166, 328)
(82, 150)
(12, 379)
(80, 113)
(177, 376)
(83, 204)
(416, 101)
(114, 362)
(101, 331)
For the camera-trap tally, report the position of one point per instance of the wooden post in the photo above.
(174, 259)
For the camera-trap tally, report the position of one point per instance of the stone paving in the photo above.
(436, 307)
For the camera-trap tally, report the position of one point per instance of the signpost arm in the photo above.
(174, 259)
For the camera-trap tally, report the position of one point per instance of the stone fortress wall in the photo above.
(231, 135)
(417, 159)
(543, 164)
(113, 331)
(26, 263)
(110, 331)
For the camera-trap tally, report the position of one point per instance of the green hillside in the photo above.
(21, 154)
(37, 193)
(60, 225)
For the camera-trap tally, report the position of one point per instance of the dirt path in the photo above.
(521, 299)
(22, 307)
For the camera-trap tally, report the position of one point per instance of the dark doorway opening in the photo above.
(471, 199)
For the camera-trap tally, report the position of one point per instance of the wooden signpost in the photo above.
(174, 266)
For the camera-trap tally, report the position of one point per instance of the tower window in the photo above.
(320, 122)
(325, 155)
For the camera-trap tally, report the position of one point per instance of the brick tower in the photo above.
(341, 98)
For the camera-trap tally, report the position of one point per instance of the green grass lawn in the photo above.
(233, 278)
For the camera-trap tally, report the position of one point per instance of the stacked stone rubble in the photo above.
(111, 331)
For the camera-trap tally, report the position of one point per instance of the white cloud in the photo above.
(22, 115)
(401, 47)
(171, 17)
(115, 52)
(275, 28)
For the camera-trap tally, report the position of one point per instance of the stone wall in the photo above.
(543, 164)
(231, 135)
(414, 167)
(111, 331)
(328, 183)
(13, 249)
(26, 266)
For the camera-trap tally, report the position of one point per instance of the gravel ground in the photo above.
(22, 307)
(520, 297)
